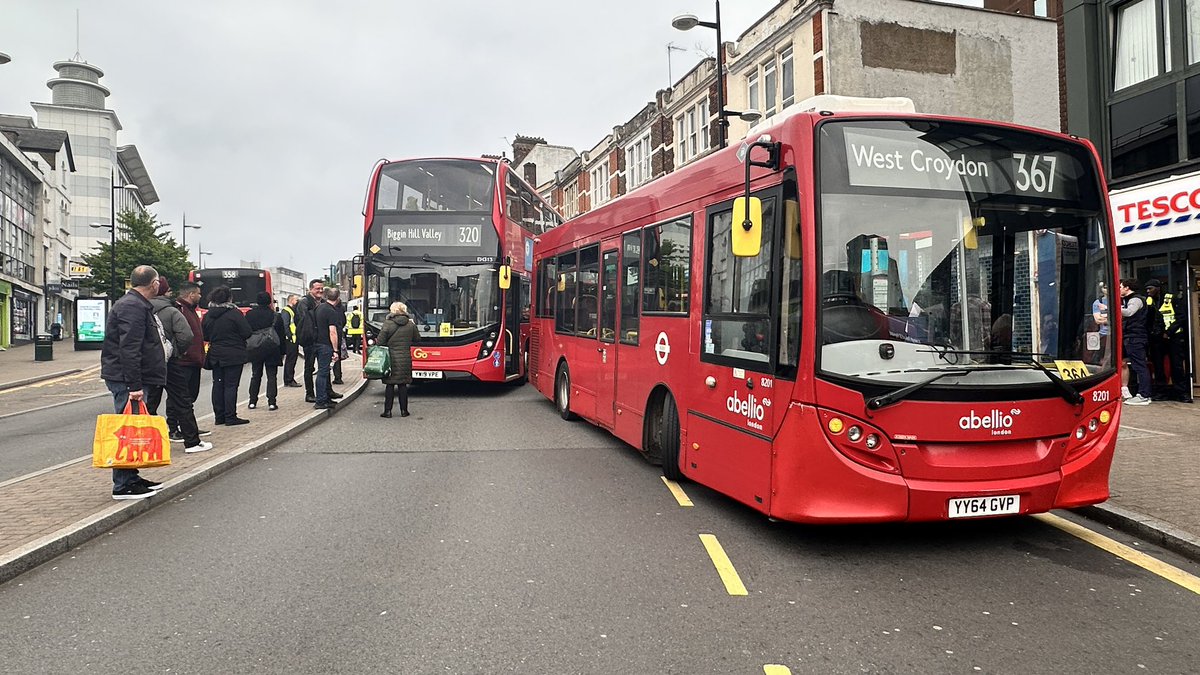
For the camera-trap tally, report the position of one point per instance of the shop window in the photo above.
(1192, 88)
(1144, 132)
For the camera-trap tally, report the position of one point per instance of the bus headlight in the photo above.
(1080, 433)
(1093, 424)
(872, 441)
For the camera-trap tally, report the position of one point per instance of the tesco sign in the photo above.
(1161, 210)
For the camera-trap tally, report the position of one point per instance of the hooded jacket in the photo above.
(399, 334)
(226, 329)
(175, 326)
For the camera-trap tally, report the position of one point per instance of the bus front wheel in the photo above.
(668, 440)
(562, 393)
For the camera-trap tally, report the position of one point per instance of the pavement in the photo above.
(1155, 475)
(48, 512)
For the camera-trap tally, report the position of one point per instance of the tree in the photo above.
(139, 242)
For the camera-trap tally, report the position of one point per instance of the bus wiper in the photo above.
(1070, 394)
(877, 402)
(426, 258)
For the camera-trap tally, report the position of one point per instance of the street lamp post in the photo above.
(185, 229)
(200, 254)
(690, 21)
(112, 230)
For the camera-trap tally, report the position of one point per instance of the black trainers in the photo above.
(338, 382)
(152, 484)
(310, 399)
(134, 491)
(335, 395)
(292, 384)
(176, 437)
(204, 432)
(236, 421)
(325, 406)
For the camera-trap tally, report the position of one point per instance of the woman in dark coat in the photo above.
(225, 330)
(263, 317)
(398, 334)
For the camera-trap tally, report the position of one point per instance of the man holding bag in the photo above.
(133, 364)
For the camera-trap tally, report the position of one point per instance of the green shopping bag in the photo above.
(379, 363)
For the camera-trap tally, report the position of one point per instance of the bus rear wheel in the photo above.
(668, 439)
(562, 393)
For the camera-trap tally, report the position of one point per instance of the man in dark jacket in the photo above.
(327, 345)
(186, 367)
(1134, 338)
(180, 416)
(306, 310)
(133, 364)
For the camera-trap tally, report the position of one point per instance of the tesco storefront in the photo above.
(1158, 236)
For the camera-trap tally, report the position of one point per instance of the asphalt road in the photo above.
(485, 535)
(49, 423)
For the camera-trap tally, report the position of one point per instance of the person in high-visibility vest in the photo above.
(292, 349)
(354, 329)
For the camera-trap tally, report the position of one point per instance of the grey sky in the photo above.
(262, 118)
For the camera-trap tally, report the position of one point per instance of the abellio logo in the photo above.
(997, 421)
(751, 408)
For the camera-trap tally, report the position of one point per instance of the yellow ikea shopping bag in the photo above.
(129, 441)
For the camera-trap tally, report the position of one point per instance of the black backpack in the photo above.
(306, 326)
(355, 320)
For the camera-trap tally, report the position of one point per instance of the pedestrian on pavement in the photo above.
(264, 318)
(308, 336)
(1156, 327)
(398, 334)
(291, 348)
(1135, 336)
(1177, 335)
(342, 351)
(183, 375)
(354, 329)
(327, 345)
(226, 329)
(179, 333)
(133, 364)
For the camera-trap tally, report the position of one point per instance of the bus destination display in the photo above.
(904, 158)
(433, 234)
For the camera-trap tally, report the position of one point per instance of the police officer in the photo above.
(1156, 327)
(1178, 324)
(354, 329)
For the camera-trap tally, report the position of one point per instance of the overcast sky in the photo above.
(261, 119)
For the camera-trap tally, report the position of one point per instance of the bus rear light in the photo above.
(861, 443)
(1080, 433)
(872, 442)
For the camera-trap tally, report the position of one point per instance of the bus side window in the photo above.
(547, 279)
(525, 299)
(667, 259)
(586, 305)
(739, 317)
(631, 265)
(564, 311)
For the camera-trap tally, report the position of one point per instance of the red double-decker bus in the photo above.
(244, 284)
(453, 240)
(850, 318)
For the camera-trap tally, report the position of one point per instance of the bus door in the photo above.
(731, 413)
(606, 380)
(513, 305)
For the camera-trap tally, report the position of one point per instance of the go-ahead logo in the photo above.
(997, 421)
(419, 353)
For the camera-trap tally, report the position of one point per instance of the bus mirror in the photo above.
(747, 227)
(357, 290)
(971, 227)
(505, 277)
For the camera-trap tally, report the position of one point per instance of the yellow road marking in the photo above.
(1162, 569)
(58, 380)
(776, 669)
(733, 583)
(680, 495)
